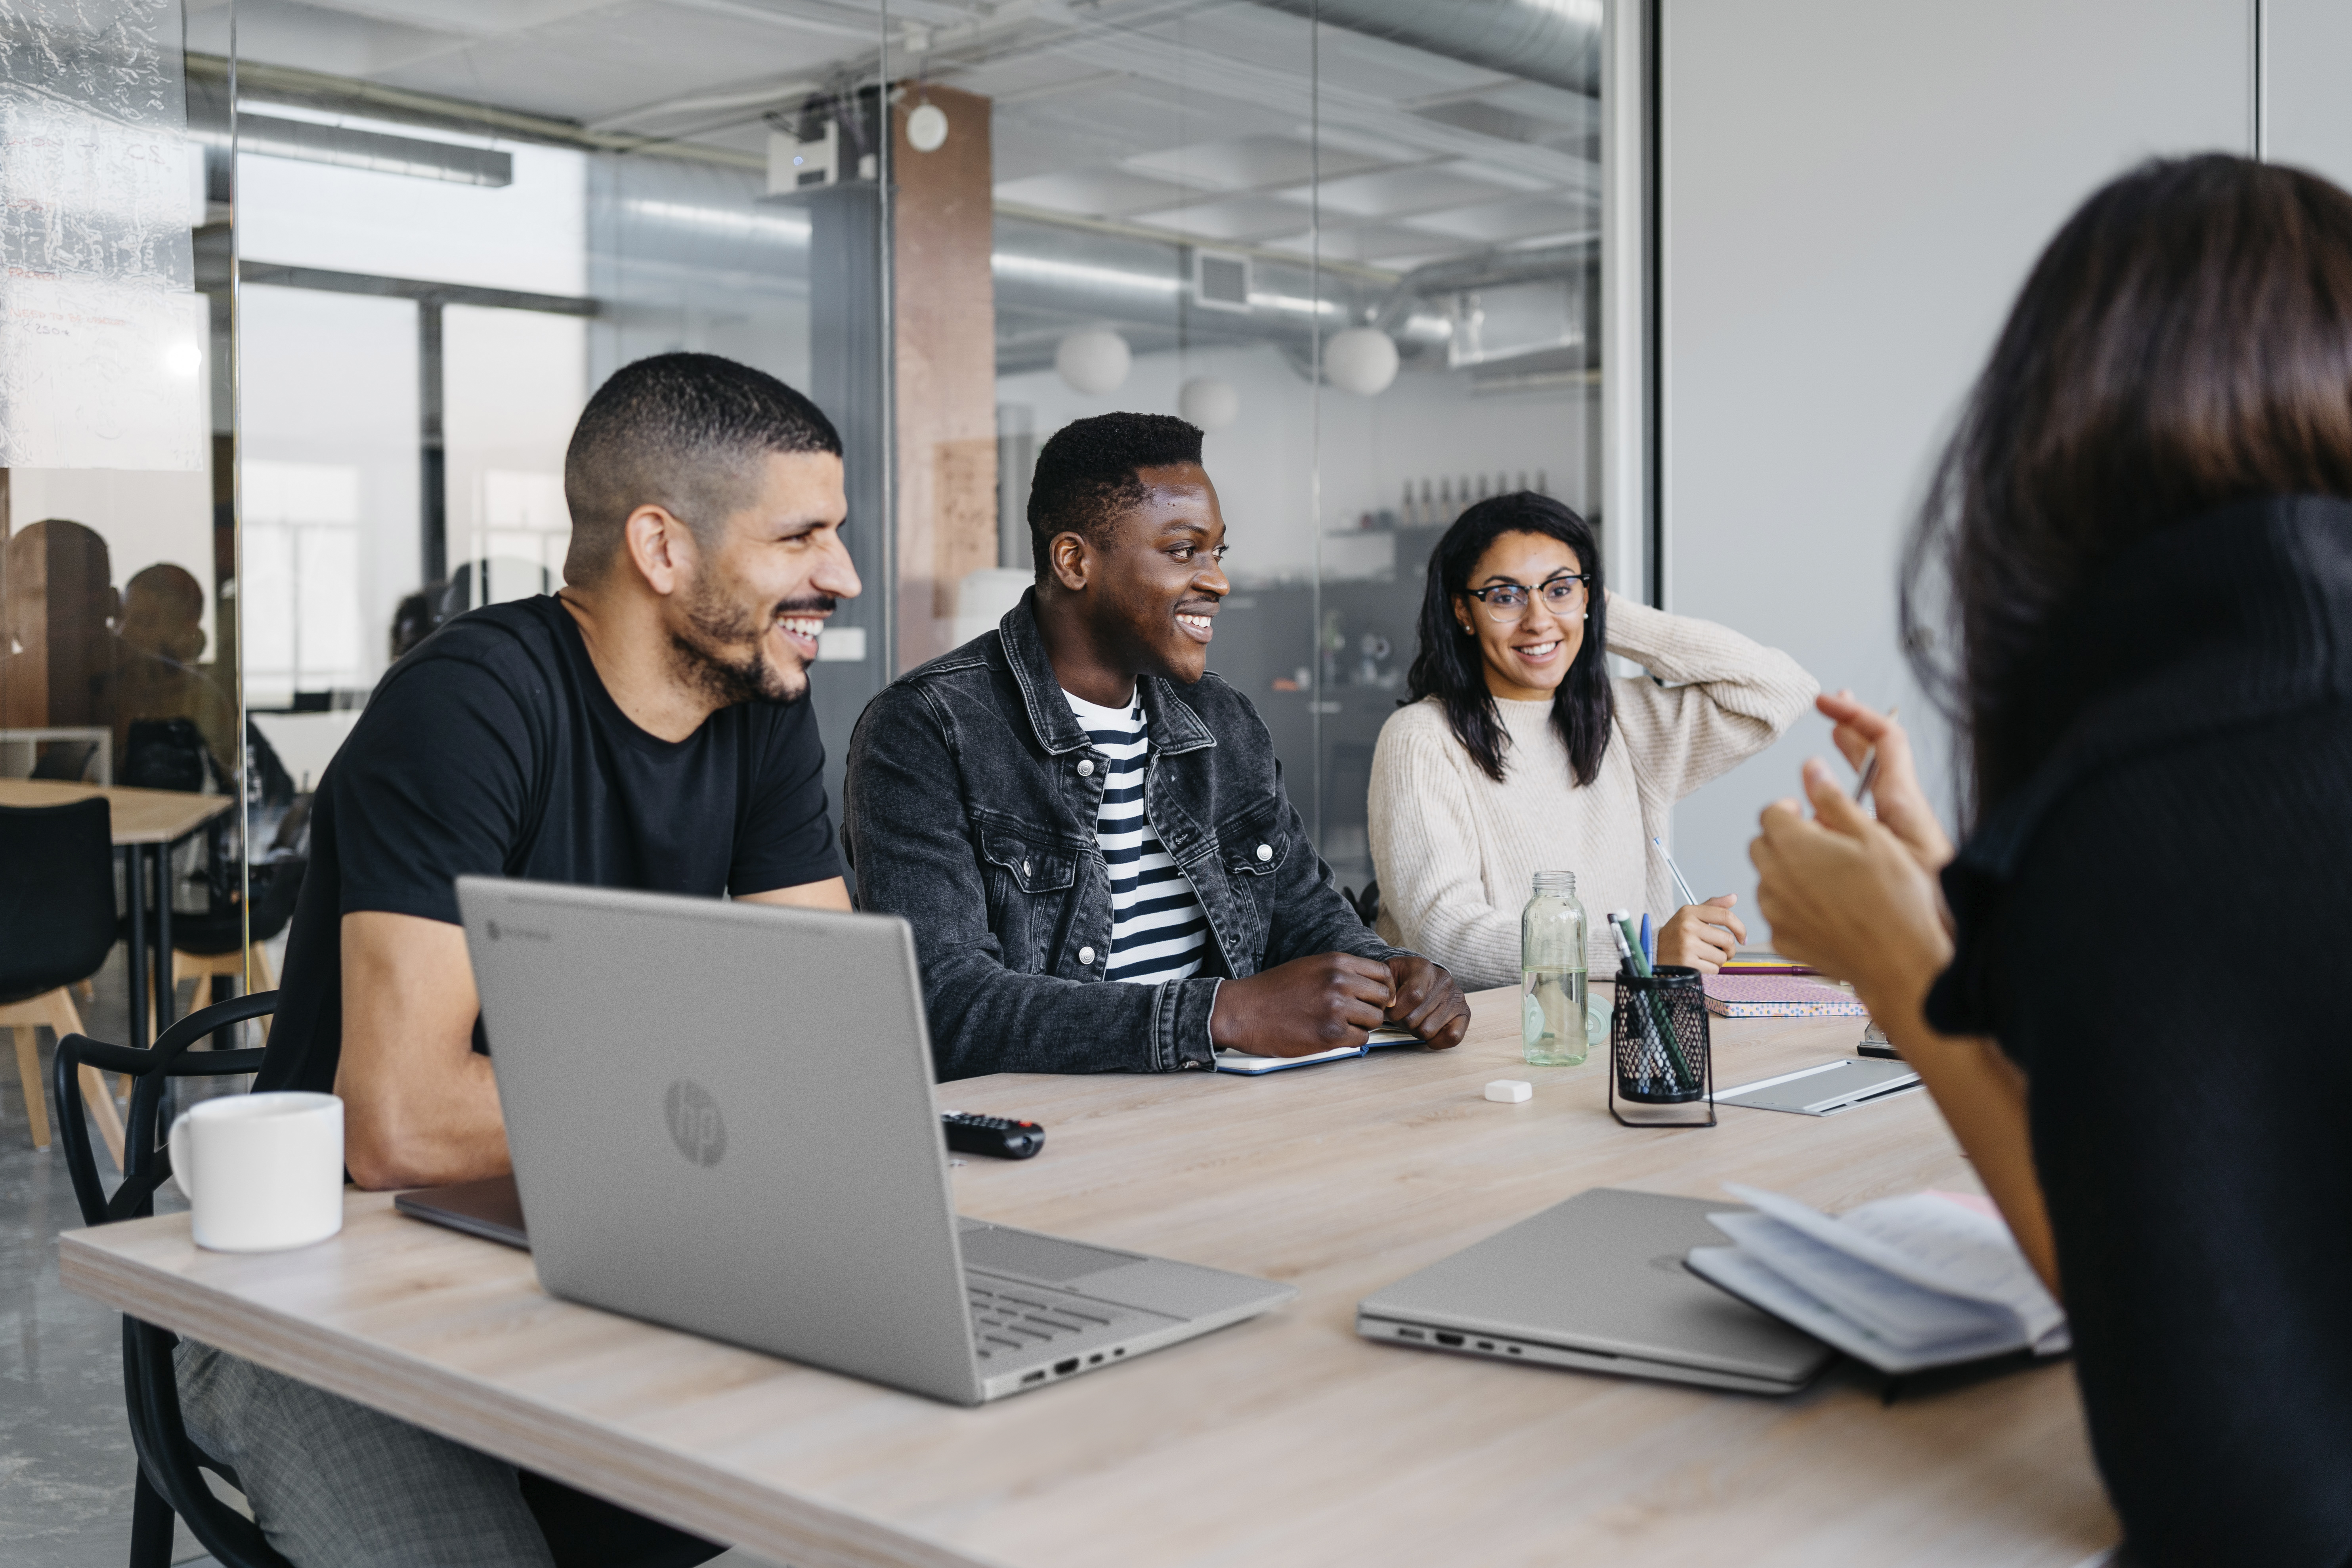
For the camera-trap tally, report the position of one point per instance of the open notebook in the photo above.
(1256, 1067)
(1931, 1279)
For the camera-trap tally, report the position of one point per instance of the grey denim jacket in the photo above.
(970, 810)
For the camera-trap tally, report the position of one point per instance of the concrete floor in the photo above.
(65, 1461)
(65, 1464)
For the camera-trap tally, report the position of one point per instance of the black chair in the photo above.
(218, 942)
(167, 753)
(170, 1465)
(1367, 904)
(56, 926)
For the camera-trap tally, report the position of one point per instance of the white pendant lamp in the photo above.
(1361, 360)
(1210, 403)
(1093, 360)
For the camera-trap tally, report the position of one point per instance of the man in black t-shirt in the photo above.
(642, 729)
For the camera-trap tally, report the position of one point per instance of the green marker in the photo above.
(1629, 948)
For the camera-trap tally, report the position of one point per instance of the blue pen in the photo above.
(1649, 943)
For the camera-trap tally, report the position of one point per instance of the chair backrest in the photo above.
(165, 753)
(277, 888)
(151, 1388)
(56, 894)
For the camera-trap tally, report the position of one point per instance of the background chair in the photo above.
(170, 1465)
(217, 944)
(56, 926)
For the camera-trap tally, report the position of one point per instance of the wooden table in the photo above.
(1287, 1440)
(146, 823)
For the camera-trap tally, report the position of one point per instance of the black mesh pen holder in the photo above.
(1661, 1070)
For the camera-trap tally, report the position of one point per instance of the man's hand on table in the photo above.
(1428, 1000)
(1334, 999)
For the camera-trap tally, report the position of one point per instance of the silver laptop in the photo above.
(1598, 1283)
(721, 1120)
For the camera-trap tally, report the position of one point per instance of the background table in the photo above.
(1285, 1441)
(144, 820)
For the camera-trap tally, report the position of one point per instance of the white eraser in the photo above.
(1510, 1090)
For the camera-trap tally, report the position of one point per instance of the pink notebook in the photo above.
(1778, 996)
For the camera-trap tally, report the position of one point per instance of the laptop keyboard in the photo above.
(1008, 1318)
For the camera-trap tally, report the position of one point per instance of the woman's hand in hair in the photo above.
(1702, 936)
(1848, 895)
(1902, 803)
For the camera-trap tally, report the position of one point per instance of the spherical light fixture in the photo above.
(1361, 360)
(1208, 403)
(1095, 361)
(927, 128)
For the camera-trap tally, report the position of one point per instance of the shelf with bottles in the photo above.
(1436, 502)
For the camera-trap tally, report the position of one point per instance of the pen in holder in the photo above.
(1659, 1059)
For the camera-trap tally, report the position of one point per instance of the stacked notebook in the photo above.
(1903, 1284)
(1730, 996)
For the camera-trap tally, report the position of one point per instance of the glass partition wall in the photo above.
(118, 617)
(1356, 241)
(246, 464)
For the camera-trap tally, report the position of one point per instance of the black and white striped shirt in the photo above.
(1157, 929)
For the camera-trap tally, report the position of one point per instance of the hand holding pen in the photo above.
(1879, 749)
(1704, 933)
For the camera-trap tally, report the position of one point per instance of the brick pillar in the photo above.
(943, 230)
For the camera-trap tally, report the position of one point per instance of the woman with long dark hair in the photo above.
(2142, 532)
(1519, 753)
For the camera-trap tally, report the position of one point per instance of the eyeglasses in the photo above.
(1507, 602)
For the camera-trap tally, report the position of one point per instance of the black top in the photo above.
(494, 749)
(2156, 926)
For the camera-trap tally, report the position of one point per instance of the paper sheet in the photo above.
(1934, 1244)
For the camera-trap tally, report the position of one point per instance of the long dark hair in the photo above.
(2185, 341)
(1448, 666)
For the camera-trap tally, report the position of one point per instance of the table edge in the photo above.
(809, 1532)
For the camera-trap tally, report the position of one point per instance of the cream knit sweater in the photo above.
(1457, 853)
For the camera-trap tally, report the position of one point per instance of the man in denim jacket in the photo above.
(1043, 856)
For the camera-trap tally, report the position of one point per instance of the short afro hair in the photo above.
(681, 432)
(1085, 474)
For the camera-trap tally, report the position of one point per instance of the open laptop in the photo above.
(721, 1120)
(1598, 1283)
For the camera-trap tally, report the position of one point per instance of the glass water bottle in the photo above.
(1552, 1028)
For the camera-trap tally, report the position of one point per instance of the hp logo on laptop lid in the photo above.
(695, 1125)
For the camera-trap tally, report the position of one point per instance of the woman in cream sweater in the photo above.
(1522, 756)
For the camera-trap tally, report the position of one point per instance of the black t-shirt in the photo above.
(494, 749)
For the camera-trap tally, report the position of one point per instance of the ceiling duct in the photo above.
(1556, 42)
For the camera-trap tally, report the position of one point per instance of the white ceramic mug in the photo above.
(263, 1173)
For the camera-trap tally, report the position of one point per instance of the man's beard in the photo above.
(705, 655)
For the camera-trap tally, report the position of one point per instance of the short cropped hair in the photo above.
(1085, 473)
(679, 431)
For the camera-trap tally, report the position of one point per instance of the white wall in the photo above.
(2306, 112)
(1852, 192)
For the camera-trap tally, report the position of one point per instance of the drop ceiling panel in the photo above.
(1094, 193)
(1501, 221)
(1247, 162)
(1393, 193)
(283, 32)
(592, 66)
(1383, 245)
(1230, 218)
(1358, 63)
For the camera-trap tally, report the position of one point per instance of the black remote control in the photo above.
(997, 1137)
